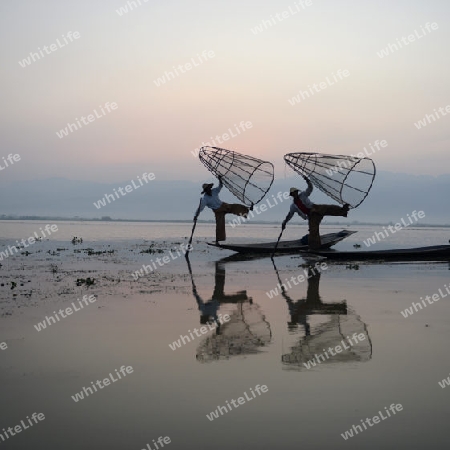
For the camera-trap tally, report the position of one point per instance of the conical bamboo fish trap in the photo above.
(246, 177)
(346, 179)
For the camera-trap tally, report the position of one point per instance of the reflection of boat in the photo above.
(432, 253)
(327, 240)
(245, 333)
(340, 323)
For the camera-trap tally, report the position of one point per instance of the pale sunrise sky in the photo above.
(250, 78)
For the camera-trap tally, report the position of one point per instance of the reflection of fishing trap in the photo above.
(346, 179)
(246, 177)
(244, 334)
(331, 335)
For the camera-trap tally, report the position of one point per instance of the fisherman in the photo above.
(211, 200)
(306, 209)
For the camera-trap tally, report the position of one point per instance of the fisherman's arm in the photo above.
(288, 217)
(200, 208)
(219, 188)
(310, 187)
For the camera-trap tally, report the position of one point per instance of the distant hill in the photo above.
(393, 196)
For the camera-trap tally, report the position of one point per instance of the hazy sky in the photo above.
(251, 77)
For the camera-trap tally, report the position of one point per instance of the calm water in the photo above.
(97, 231)
(267, 341)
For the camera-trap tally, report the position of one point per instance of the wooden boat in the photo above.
(431, 253)
(328, 240)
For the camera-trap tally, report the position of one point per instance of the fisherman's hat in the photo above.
(292, 190)
(206, 186)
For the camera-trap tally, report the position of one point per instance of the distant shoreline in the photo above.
(109, 219)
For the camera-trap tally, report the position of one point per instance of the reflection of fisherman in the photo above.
(246, 331)
(306, 209)
(208, 310)
(312, 304)
(341, 322)
(211, 200)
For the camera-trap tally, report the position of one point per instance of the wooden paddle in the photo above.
(193, 228)
(276, 245)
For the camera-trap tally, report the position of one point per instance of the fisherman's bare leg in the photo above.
(330, 210)
(220, 221)
(239, 210)
(316, 216)
(314, 234)
(220, 225)
(226, 208)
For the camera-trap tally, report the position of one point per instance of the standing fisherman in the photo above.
(306, 209)
(211, 200)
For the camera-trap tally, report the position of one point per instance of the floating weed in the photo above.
(87, 281)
